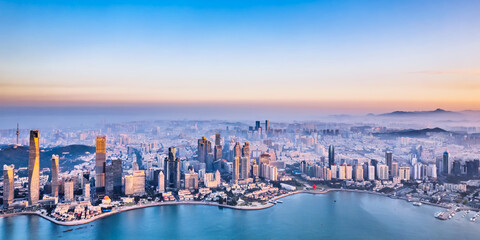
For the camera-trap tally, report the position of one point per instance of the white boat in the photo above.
(418, 204)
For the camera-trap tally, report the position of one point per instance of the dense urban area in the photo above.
(72, 175)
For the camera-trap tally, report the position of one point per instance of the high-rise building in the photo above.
(348, 172)
(255, 169)
(472, 168)
(382, 171)
(86, 191)
(161, 182)
(331, 155)
(68, 190)
(404, 173)
(191, 179)
(389, 160)
(334, 170)
(257, 125)
(267, 126)
(371, 172)
(172, 170)
(135, 183)
(236, 169)
(54, 182)
(341, 172)
(394, 170)
(457, 167)
(100, 164)
(358, 173)
(204, 148)
(447, 169)
(8, 185)
(244, 167)
(417, 171)
(432, 171)
(246, 150)
(113, 180)
(217, 155)
(237, 150)
(33, 168)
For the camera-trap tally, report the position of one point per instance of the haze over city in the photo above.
(293, 119)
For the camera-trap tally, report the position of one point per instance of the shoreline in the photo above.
(157, 204)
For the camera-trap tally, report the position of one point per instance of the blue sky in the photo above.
(377, 54)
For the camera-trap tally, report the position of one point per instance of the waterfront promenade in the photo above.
(258, 206)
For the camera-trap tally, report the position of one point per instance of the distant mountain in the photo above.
(412, 132)
(437, 112)
(69, 155)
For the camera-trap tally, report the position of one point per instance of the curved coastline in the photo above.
(250, 208)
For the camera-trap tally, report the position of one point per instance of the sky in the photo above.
(340, 56)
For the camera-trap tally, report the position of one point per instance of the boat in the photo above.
(418, 204)
(279, 201)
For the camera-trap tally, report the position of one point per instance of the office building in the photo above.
(33, 168)
(404, 173)
(447, 168)
(172, 170)
(382, 171)
(191, 179)
(8, 185)
(100, 164)
(394, 170)
(204, 148)
(217, 155)
(348, 172)
(331, 156)
(358, 173)
(54, 181)
(161, 182)
(86, 191)
(389, 161)
(69, 190)
(135, 183)
(114, 173)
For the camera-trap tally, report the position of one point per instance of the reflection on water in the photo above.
(337, 215)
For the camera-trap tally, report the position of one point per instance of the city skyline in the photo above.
(319, 55)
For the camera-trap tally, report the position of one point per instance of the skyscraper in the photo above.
(113, 180)
(135, 183)
(217, 155)
(69, 193)
(245, 161)
(246, 150)
(267, 125)
(172, 170)
(388, 161)
(161, 182)
(54, 182)
(237, 150)
(236, 169)
(86, 192)
(8, 185)
(33, 168)
(100, 164)
(394, 170)
(204, 148)
(331, 155)
(244, 167)
(446, 163)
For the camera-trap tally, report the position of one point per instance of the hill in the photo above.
(69, 155)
